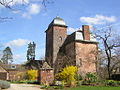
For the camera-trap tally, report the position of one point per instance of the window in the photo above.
(13, 67)
(79, 62)
(60, 39)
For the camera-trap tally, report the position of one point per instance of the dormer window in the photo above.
(13, 67)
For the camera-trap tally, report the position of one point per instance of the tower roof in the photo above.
(58, 21)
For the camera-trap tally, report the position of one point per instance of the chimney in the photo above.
(86, 32)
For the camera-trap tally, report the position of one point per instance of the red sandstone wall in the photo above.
(70, 52)
(46, 76)
(86, 54)
(59, 36)
(86, 32)
(55, 37)
(13, 75)
(3, 75)
(49, 46)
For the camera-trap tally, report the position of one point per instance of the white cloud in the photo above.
(19, 58)
(17, 43)
(33, 9)
(1, 6)
(98, 19)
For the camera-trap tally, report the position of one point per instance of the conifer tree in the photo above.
(7, 56)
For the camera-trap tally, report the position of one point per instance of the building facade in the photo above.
(79, 49)
(11, 72)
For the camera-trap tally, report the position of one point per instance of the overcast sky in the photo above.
(30, 21)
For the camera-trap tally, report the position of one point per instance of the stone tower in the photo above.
(55, 37)
(79, 48)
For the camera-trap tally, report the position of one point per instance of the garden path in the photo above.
(24, 87)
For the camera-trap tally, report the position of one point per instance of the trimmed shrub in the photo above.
(58, 87)
(4, 84)
(52, 87)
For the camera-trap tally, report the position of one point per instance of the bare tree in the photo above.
(109, 43)
(6, 3)
(9, 4)
(115, 67)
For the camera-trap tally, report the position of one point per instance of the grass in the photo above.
(93, 88)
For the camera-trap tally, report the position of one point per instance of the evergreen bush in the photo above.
(4, 84)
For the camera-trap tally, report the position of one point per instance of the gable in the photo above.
(2, 69)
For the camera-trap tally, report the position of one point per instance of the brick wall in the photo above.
(15, 75)
(49, 46)
(86, 32)
(70, 53)
(55, 37)
(46, 76)
(59, 36)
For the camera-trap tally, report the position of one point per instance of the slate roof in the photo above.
(34, 64)
(12, 67)
(46, 66)
(2, 69)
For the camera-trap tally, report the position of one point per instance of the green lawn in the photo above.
(94, 88)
